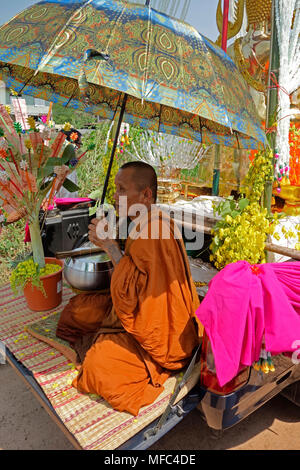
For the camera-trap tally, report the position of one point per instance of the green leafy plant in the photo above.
(242, 231)
(79, 119)
(30, 272)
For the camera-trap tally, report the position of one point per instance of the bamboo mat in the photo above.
(90, 419)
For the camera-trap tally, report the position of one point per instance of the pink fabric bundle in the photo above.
(64, 201)
(245, 302)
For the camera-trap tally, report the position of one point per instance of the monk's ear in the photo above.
(148, 194)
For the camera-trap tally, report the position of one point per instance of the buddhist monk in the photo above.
(144, 330)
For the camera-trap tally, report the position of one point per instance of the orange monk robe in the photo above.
(154, 299)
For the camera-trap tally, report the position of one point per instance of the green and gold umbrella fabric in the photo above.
(90, 54)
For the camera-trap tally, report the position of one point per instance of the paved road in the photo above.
(24, 424)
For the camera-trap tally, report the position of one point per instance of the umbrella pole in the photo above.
(216, 172)
(113, 151)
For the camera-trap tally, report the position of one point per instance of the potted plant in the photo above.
(33, 167)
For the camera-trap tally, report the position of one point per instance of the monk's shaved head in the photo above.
(143, 175)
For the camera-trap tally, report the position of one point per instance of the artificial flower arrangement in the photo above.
(242, 232)
(289, 174)
(33, 167)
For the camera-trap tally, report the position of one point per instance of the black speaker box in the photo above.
(62, 229)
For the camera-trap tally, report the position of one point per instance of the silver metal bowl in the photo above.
(89, 272)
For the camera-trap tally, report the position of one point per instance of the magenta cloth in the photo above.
(245, 302)
(27, 238)
(71, 200)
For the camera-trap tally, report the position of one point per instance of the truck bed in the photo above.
(87, 420)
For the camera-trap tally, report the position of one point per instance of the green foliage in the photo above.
(190, 174)
(70, 186)
(29, 272)
(68, 153)
(91, 173)
(231, 207)
(12, 248)
(90, 168)
(79, 119)
(18, 127)
(111, 188)
(241, 233)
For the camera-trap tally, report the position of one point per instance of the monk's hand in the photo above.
(98, 234)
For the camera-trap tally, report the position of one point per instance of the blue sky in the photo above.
(201, 15)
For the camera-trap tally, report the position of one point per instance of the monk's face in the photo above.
(125, 182)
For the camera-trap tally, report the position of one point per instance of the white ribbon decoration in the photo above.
(289, 75)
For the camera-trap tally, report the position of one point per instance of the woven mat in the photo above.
(91, 420)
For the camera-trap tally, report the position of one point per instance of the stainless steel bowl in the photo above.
(89, 272)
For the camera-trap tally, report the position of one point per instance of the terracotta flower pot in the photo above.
(35, 298)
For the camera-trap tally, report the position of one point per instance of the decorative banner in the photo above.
(58, 144)
(20, 110)
(35, 139)
(6, 122)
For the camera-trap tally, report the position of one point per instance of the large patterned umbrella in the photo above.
(90, 54)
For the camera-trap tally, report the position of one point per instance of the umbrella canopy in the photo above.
(176, 80)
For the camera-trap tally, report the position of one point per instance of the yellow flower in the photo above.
(31, 122)
(28, 144)
(13, 92)
(67, 126)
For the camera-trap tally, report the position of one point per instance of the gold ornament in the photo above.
(258, 11)
(243, 67)
(28, 144)
(67, 127)
(31, 122)
(13, 92)
(200, 283)
(233, 28)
